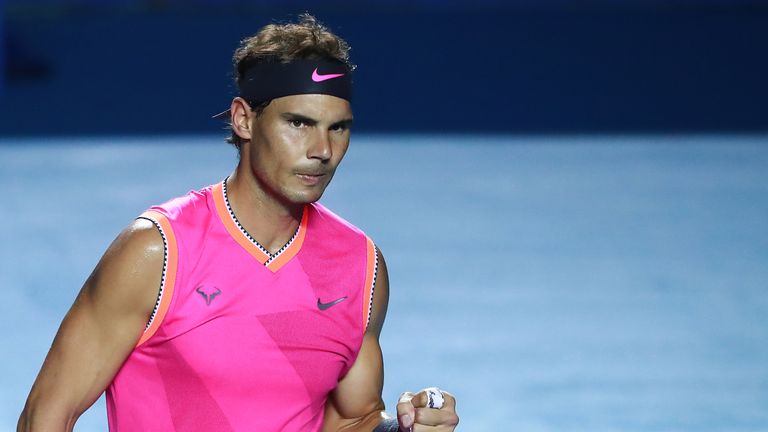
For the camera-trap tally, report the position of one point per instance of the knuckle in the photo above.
(403, 404)
(454, 420)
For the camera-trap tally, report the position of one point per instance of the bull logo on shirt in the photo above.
(208, 293)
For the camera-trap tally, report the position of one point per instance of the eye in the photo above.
(339, 128)
(298, 123)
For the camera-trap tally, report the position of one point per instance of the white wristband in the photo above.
(435, 398)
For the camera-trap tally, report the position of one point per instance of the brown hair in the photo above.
(307, 39)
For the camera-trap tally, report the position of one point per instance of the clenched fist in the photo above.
(415, 415)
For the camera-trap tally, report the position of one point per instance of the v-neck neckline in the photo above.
(272, 261)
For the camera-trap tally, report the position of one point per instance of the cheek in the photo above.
(340, 147)
(266, 163)
(290, 144)
(281, 149)
(287, 134)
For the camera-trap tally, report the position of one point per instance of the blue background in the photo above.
(459, 66)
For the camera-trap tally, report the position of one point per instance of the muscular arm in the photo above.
(356, 404)
(98, 332)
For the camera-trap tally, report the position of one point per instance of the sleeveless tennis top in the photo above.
(241, 339)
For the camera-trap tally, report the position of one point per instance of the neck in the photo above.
(271, 222)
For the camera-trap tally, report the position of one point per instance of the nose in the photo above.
(320, 148)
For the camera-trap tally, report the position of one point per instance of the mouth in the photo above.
(311, 179)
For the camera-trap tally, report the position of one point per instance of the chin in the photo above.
(305, 197)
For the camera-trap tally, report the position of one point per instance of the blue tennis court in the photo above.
(602, 283)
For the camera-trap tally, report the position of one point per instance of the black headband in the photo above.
(266, 81)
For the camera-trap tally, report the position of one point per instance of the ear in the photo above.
(240, 118)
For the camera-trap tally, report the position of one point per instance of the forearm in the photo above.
(371, 422)
(59, 395)
(41, 416)
(387, 425)
(74, 373)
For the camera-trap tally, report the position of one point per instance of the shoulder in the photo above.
(336, 235)
(140, 240)
(184, 206)
(134, 262)
(323, 217)
(126, 276)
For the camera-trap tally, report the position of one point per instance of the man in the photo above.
(269, 306)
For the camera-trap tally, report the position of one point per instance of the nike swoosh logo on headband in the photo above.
(316, 77)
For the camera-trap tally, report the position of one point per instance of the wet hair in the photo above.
(306, 39)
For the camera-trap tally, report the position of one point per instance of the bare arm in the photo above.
(99, 331)
(356, 404)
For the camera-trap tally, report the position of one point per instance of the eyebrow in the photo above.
(309, 120)
(346, 123)
(293, 116)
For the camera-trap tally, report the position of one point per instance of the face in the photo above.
(296, 144)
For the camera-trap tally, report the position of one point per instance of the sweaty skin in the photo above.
(98, 332)
(288, 156)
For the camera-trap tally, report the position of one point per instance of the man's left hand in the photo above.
(413, 415)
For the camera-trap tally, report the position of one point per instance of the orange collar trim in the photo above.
(272, 261)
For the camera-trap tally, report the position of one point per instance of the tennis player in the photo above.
(245, 305)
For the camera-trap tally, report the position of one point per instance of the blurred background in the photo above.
(572, 196)
(537, 66)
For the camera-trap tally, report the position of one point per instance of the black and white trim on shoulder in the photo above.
(373, 283)
(165, 269)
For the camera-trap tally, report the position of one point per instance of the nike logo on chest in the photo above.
(323, 306)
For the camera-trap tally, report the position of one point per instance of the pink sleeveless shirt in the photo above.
(242, 340)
